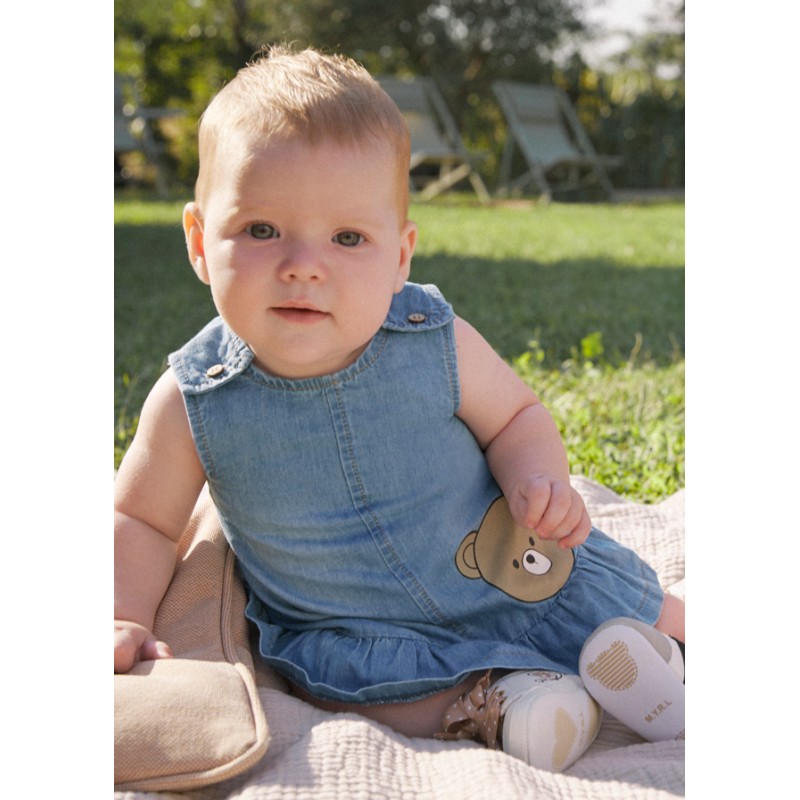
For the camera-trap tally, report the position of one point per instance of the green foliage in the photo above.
(158, 304)
(450, 37)
(635, 108)
(624, 428)
(592, 346)
(182, 51)
(586, 303)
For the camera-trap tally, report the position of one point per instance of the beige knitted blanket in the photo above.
(314, 754)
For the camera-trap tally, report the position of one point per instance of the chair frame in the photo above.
(584, 166)
(435, 138)
(133, 128)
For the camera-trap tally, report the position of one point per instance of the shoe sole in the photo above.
(666, 646)
(551, 729)
(628, 677)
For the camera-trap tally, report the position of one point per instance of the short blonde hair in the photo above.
(308, 95)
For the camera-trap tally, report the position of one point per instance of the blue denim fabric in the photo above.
(346, 498)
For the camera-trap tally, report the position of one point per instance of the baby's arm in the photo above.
(155, 491)
(520, 440)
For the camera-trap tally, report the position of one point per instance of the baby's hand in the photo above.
(134, 643)
(552, 508)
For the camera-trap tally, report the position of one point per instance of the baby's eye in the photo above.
(348, 238)
(262, 230)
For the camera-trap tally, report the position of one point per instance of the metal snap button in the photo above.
(417, 318)
(217, 369)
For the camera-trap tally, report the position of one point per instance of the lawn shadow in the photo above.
(160, 304)
(512, 301)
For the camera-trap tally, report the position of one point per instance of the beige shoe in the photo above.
(549, 719)
(636, 674)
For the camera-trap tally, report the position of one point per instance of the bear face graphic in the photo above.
(512, 558)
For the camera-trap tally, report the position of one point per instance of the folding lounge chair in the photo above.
(544, 126)
(133, 132)
(439, 159)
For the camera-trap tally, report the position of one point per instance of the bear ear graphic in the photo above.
(465, 557)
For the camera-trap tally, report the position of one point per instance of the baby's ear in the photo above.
(408, 241)
(193, 230)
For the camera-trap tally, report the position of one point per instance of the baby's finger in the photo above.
(556, 517)
(579, 533)
(134, 643)
(571, 519)
(530, 502)
(154, 649)
(124, 656)
(127, 645)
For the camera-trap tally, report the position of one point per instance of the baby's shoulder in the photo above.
(212, 357)
(418, 307)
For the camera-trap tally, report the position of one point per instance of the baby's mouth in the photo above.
(300, 313)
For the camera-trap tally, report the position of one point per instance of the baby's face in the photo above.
(303, 248)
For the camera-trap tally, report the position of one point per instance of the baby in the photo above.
(397, 498)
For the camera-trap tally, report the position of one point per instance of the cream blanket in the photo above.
(315, 754)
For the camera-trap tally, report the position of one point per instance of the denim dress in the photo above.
(381, 561)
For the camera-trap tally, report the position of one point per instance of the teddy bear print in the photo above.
(511, 558)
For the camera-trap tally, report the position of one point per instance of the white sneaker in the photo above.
(636, 673)
(550, 720)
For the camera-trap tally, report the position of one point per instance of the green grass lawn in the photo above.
(586, 301)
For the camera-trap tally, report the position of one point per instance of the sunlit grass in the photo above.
(585, 300)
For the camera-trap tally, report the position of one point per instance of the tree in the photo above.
(636, 107)
(182, 51)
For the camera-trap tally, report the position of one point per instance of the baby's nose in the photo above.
(303, 263)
